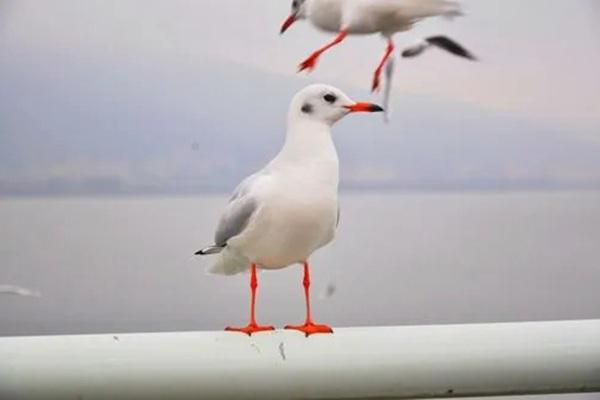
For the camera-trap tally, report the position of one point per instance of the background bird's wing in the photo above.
(419, 9)
(445, 43)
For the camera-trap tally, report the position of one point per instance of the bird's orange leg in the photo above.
(388, 51)
(309, 327)
(311, 61)
(252, 326)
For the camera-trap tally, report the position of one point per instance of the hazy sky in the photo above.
(180, 95)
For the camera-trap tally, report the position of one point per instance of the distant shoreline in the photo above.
(400, 189)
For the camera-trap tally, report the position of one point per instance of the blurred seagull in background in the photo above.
(415, 50)
(374, 16)
(280, 215)
(18, 291)
(441, 42)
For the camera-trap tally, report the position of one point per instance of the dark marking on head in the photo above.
(307, 108)
(296, 5)
(330, 98)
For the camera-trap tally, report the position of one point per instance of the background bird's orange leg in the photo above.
(311, 61)
(388, 51)
(252, 325)
(309, 327)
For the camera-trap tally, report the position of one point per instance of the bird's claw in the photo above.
(375, 84)
(310, 328)
(250, 328)
(309, 64)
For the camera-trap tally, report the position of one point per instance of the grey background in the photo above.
(125, 264)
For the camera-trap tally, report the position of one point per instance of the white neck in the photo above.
(309, 147)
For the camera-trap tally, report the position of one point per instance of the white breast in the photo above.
(298, 203)
(297, 216)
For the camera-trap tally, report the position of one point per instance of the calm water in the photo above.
(123, 264)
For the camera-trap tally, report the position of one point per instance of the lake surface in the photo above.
(124, 264)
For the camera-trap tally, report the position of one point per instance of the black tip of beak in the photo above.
(287, 23)
(375, 108)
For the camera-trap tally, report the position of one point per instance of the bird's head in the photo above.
(326, 104)
(298, 12)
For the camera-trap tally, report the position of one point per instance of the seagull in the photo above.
(281, 214)
(18, 291)
(362, 17)
(415, 50)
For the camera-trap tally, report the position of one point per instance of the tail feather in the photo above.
(229, 262)
(419, 9)
(452, 9)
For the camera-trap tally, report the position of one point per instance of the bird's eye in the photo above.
(330, 98)
(294, 4)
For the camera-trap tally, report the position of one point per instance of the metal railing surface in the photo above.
(353, 363)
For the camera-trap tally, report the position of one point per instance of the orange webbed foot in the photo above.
(375, 84)
(310, 63)
(250, 329)
(310, 328)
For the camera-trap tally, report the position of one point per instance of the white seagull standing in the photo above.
(280, 215)
(362, 17)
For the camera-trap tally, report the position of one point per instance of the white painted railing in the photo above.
(353, 363)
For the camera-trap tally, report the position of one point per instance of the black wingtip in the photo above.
(209, 250)
(409, 53)
(451, 46)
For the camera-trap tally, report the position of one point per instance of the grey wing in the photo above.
(236, 216)
(244, 187)
(238, 213)
(234, 220)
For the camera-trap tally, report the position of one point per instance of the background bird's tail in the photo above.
(450, 9)
(431, 8)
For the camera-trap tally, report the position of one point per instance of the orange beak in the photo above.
(364, 107)
(287, 23)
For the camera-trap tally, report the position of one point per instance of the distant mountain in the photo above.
(75, 124)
